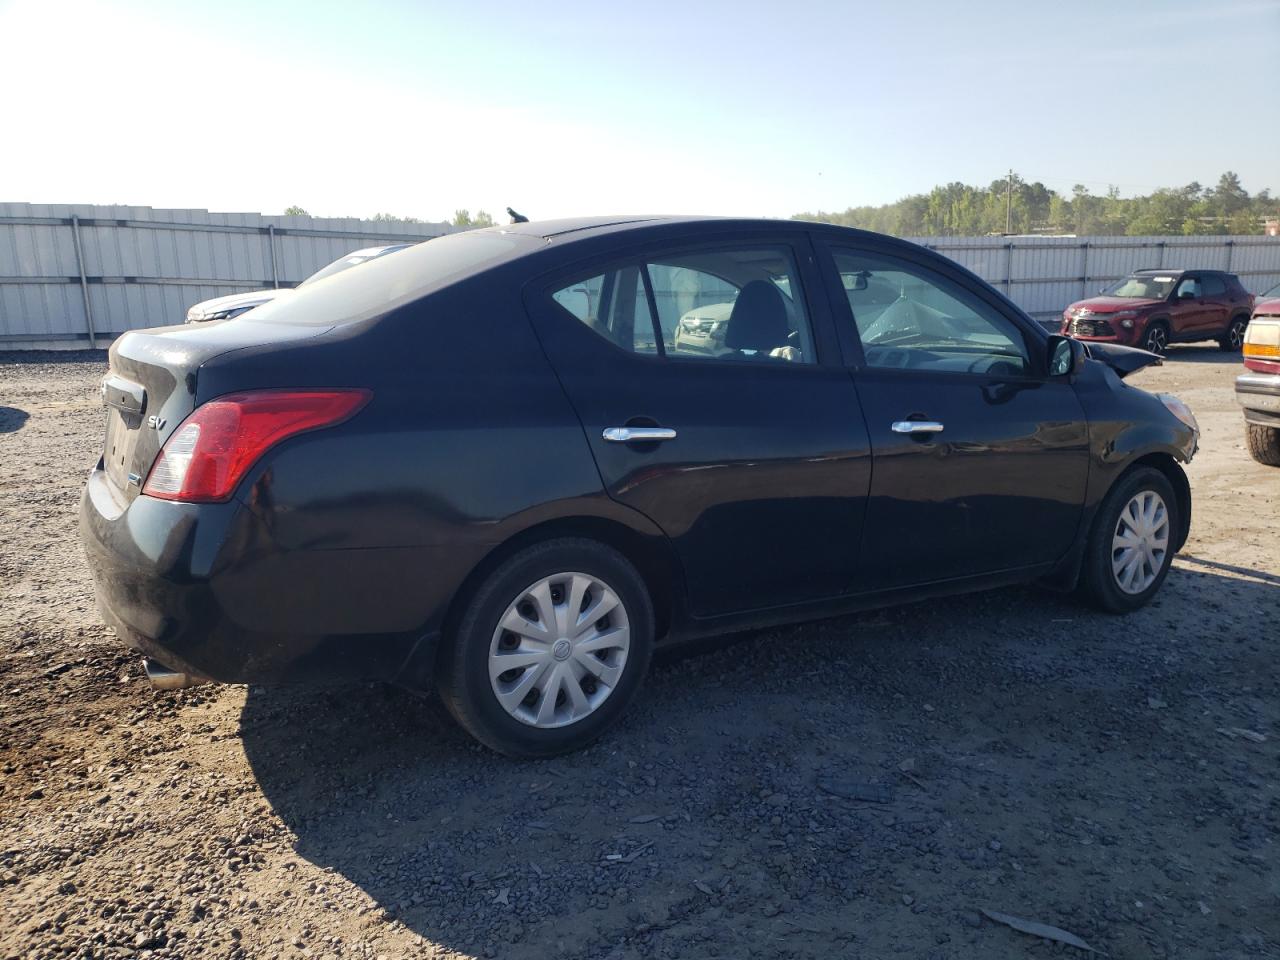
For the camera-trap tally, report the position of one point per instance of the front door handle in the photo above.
(916, 426)
(638, 434)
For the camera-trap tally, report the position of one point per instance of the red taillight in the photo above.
(210, 451)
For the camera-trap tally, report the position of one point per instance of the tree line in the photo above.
(461, 218)
(1013, 205)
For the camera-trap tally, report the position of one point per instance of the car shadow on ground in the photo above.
(699, 816)
(12, 419)
(1200, 353)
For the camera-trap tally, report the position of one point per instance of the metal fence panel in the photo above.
(143, 267)
(1044, 274)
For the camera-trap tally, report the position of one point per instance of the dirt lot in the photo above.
(1115, 777)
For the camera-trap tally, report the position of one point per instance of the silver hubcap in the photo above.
(1140, 543)
(1157, 341)
(559, 650)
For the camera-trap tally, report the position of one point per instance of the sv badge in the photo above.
(156, 423)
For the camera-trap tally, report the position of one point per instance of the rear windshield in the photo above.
(384, 283)
(351, 260)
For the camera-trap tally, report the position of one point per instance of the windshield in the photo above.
(1142, 288)
(352, 259)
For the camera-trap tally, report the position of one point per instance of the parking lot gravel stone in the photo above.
(1010, 751)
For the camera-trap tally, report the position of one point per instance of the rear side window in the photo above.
(615, 306)
(730, 305)
(1214, 287)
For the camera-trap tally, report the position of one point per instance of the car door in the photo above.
(1192, 316)
(979, 459)
(712, 395)
(1217, 302)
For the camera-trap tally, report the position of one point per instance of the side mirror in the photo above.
(1065, 356)
(1186, 294)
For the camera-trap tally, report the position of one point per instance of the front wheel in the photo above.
(1264, 443)
(550, 649)
(1233, 339)
(1156, 339)
(1130, 546)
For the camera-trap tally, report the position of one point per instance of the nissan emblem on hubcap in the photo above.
(559, 649)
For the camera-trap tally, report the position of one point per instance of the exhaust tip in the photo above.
(162, 678)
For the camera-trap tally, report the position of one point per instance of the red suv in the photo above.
(1154, 308)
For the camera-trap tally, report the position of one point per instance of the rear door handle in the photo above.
(916, 426)
(638, 434)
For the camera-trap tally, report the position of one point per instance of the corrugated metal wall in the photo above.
(142, 267)
(1044, 274)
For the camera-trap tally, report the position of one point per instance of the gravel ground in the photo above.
(1010, 751)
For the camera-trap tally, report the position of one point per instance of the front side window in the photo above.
(908, 317)
(1189, 288)
(732, 305)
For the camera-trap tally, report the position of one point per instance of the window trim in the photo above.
(541, 290)
(1034, 337)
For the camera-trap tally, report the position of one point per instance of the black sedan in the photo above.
(489, 464)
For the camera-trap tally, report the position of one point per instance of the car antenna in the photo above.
(517, 217)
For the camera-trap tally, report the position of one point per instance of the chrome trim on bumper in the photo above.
(1259, 391)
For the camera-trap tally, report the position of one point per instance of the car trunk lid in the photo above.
(150, 386)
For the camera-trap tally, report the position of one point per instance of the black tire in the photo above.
(1098, 582)
(463, 672)
(1233, 340)
(1264, 443)
(1156, 339)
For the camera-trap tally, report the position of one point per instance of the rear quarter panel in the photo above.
(468, 439)
(467, 427)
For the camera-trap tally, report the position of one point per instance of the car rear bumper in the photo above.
(204, 590)
(1259, 394)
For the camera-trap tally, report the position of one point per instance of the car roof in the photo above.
(598, 226)
(1179, 271)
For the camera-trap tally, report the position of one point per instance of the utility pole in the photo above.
(1008, 204)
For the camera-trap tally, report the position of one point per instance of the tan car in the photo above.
(1258, 389)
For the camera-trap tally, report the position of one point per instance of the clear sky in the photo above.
(564, 108)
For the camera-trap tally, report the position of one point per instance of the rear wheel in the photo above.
(1233, 339)
(1156, 339)
(1130, 546)
(550, 649)
(1264, 443)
